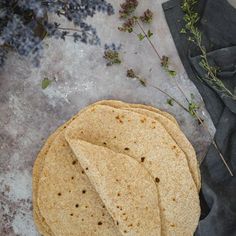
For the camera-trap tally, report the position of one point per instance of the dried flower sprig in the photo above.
(127, 8)
(45, 83)
(165, 66)
(147, 17)
(191, 19)
(128, 25)
(111, 54)
(131, 74)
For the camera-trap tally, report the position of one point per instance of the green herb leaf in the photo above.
(170, 101)
(149, 34)
(141, 36)
(130, 30)
(183, 31)
(172, 73)
(143, 82)
(192, 96)
(192, 108)
(45, 83)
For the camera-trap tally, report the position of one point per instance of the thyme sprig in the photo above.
(191, 19)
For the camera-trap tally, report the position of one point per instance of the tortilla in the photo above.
(66, 199)
(147, 141)
(124, 185)
(171, 127)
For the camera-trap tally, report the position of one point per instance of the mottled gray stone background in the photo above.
(28, 114)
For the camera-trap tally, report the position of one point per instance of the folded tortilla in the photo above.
(124, 185)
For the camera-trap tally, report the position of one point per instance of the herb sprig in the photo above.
(191, 19)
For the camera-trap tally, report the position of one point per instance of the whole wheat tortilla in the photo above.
(125, 186)
(42, 226)
(171, 127)
(146, 140)
(66, 199)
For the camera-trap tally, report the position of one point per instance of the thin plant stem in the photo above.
(150, 42)
(171, 97)
(215, 145)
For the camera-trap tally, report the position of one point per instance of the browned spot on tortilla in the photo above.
(157, 180)
(143, 119)
(74, 162)
(119, 119)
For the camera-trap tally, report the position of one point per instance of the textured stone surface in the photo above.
(28, 114)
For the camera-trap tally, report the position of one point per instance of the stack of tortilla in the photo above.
(117, 169)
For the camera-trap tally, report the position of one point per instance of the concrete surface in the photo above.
(28, 114)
